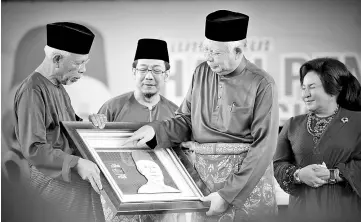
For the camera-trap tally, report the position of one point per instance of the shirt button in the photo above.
(219, 97)
(220, 86)
(217, 107)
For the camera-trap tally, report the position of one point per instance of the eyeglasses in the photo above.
(212, 53)
(153, 71)
(81, 64)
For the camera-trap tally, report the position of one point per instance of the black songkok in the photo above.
(70, 37)
(226, 26)
(152, 49)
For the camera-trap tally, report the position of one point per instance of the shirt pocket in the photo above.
(236, 119)
(240, 110)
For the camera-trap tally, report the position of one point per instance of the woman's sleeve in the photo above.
(284, 162)
(351, 170)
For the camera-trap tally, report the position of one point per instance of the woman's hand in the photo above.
(313, 175)
(322, 172)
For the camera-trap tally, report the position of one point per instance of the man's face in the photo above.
(147, 81)
(73, 68)
(219, 59)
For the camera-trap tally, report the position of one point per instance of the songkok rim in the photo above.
(70, 37)
(226, 26)
(152, 49)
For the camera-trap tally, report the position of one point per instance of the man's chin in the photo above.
(149, 91)
(149, 95)
(149, 87)
(215, 68)
(218, 70)
(68, 83)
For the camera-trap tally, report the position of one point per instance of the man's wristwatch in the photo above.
(296, 176)
(332, 179)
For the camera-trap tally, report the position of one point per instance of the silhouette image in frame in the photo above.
(138, 172)
(149, 166)
(122, 169)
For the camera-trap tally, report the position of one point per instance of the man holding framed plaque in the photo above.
(129, 174)
(61, 178)
(231, 110)
(144, 104)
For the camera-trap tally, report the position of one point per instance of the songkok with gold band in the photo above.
(226, 26)
(70, 37)
(152, 49)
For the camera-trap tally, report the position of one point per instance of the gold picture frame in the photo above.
(138, 180)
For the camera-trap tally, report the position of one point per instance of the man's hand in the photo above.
(312, 174)
(191, 145)
(218, 204)
(140, 137)
(89, 171)
(98, 120)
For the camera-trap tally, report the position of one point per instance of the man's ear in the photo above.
(239, 53)
(56, 59)
(133, 71)
(166, 75)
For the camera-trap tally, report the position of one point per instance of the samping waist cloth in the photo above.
(75, 200)
(216, 163)
(220, 148)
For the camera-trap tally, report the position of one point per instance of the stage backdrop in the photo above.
(282, 35)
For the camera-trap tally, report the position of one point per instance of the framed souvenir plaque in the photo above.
(138, 180)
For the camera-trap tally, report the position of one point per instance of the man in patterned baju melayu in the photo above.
(231, 113)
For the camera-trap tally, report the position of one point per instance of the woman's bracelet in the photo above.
(296, 176)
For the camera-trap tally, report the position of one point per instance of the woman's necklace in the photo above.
(316, 126)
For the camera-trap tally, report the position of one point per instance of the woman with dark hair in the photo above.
(318, 156)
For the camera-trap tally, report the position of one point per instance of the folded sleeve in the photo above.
(284, 162)
(173, 131)
(351, 170)
(32, 136)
